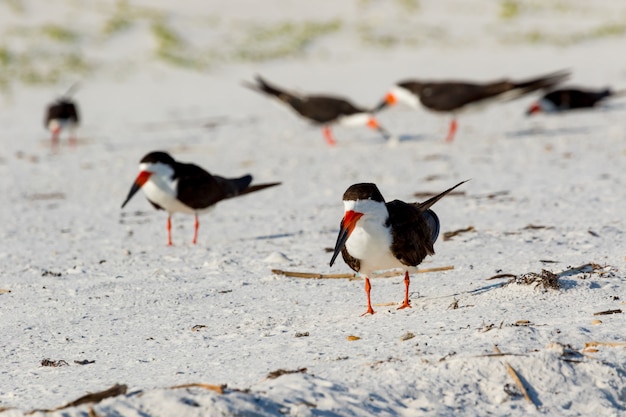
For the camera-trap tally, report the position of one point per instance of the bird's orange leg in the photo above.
(195, 230)
(169, 230)
(328, 135)
(56, 133)
(451, 130)
(368, 288)
(407, 282)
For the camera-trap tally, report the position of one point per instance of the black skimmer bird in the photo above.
(323, 110)
(178, 187)
(375, 235)
(62, 114)
(565, 99)
(455, 97)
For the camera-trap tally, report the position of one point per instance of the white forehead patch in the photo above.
(365, 206)
(404, 96)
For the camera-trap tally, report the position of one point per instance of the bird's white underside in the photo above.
(358, 119)
(161, 189)
(370, 241)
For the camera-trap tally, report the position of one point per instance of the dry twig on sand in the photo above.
(607, 312)
(217, 388)
(386, 274)
(513, 373)
(450, 235)
(95, 397)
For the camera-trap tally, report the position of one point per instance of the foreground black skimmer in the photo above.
(375, 235)
(177, 187)
(62, 115)
(321, 109)
(565, 99)
(458, 96)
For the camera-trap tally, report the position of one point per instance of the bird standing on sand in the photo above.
(62, 115)
(178, 187)
(454, 97)
(565, 99)
(321, 109)
(375, 235)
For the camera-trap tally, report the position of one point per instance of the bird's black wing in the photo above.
(199, 189)
(571, 98)
(324, 109)
(411, 233)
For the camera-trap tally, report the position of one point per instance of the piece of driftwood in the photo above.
(211, 387)
(386, 274)
(94, 397)
(501, 276)
(450, 235)
(610, 344)
(607, 312)
(513, 373)
(281, 372)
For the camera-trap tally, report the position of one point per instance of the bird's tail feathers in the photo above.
(544, 82)
(258, 187)
(264, 87)
(71, 90)
(617, 93)
(425, 205)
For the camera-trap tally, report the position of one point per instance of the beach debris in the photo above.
(53, 364)
(501, 276)
(607, 312)
(281, 372)
(545, 279)
(536, 227)
(516, 378)
(211, 387)
(550, 280)
(591, 345)
(84, 362)
(198, 327)
(95, 397)
(450, 235)
(407, 336)
(302, 334)
(385, 274)
(353, 338)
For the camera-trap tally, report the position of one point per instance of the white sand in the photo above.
(89, 281)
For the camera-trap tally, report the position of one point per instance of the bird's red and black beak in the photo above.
(373, 124)
(389, 100)
(534, 108)
(347, 226)
(139, 182)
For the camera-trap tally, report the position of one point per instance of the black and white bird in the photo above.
(455, 97)
(323, 110)
(178, 187)
(61, 115)
(565, 99)
(375, 235)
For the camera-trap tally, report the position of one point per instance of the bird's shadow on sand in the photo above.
(541, 131)
(412, 137)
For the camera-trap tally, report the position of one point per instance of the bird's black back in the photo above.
(62, 109)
